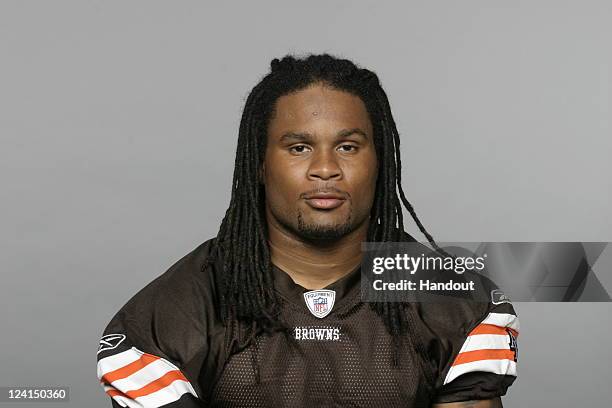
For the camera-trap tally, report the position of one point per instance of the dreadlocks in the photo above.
(247, 295)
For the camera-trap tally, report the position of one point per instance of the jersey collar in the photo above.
(293, 292)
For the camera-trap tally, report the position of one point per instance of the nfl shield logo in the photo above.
(320, 302)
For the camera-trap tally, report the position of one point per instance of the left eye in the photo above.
(348, 148)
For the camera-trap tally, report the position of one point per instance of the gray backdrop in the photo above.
(119, 122)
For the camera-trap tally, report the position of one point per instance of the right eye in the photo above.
(298, 149)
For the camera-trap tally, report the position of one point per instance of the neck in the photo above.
(311, 265)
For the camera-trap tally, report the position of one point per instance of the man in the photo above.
(268, 313)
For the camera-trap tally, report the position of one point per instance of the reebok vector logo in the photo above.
(320, 302)
(110, 341)
(499, 297)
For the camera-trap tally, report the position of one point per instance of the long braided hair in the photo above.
(247, 289)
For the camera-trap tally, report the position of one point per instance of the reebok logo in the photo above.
(110, 341)
(499, 297)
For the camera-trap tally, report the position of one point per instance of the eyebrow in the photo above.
(305, 136)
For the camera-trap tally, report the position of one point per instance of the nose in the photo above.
(324, 166)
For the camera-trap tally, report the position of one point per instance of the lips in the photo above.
(325, 201)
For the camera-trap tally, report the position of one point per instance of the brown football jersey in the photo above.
(168, 347)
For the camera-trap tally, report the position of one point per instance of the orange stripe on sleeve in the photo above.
(158, 384)
(113, 393)
(129, 369)
(485, 354)
(492, 329)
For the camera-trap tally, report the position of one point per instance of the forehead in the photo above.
(319, 105)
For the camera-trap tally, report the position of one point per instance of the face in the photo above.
(320, 164)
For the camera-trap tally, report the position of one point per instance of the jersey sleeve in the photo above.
(159, 347)
(481, 363)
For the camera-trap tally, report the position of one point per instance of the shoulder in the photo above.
(186, 289)
(473, 345)
(181, 291)
(457, 315)
(173, 322)
(173, 315)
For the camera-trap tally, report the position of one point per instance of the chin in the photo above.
(323, 231)
(321, 235)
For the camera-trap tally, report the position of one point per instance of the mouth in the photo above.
(325, 201)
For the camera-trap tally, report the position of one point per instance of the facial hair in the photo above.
(327, 233)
